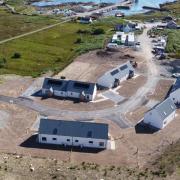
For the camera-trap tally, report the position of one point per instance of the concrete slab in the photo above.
(4, 117)
(116, 98)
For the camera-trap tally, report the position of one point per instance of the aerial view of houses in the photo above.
(89, 89)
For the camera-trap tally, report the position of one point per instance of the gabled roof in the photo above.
(56, 84)
(73, 128)
(85, 18)
(176, 85)
(165, 108)
(69, 85)
(79, 87)
(121, 70)
(171, 23)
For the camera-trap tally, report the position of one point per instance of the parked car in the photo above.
(176, 75)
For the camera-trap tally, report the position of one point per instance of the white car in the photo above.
(176, 75)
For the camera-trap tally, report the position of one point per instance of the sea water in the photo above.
(136, 7)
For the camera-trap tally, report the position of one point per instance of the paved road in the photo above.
(115, 113)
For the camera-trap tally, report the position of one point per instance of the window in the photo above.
(68, 140)
(54, 139)
(114, 72)
(87, 96)
(44, 139)
(76, 140)
(101, 144)
(55, 131)
(89, 134)
(90, 142)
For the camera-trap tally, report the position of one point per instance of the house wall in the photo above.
(154, 119)
(60, 93)
(94, 94)
(73, 141)
(175, 96)
(168, 119)
(73, 94)
(44, 91)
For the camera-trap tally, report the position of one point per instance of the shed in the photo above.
(73, 133)
(171, 25)
(113, 77)
(175, 92)
(161, 115)
(86, 20)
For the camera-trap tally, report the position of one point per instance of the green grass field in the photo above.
(12, 25)
(49, 50)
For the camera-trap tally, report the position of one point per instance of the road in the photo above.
(33, 32)
(116, 114)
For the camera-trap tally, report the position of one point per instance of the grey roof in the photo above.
(56, 84)
(73, 128)
(176, 85)
(78, 87)
(165, 108)
(69, 85)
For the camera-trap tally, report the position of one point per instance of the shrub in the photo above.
(80, 31)
(2, 62)
(78, 41)
(98, 31)
(16, 55)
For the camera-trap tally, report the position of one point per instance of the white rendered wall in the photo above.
(62, 140)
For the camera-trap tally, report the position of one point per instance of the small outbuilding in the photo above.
(175, 92)
(73, 133)
(113, 77)
(172, 25)
(86, 20)
(161, 115)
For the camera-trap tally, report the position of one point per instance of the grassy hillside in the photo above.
(173, 43)
(52, 49)
(12, 25)
(169, 162)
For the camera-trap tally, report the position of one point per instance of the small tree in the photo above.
(78, 41)
(3, 62)
(98, 31)
(16, 55)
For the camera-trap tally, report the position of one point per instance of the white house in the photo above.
(73, 133)
(128, 39)
(83, 91)
(113, 77)
(175, 92)
(161, 115)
